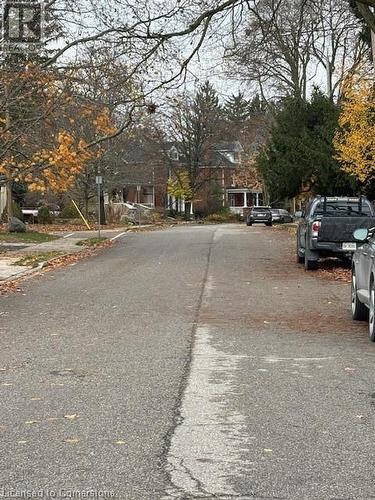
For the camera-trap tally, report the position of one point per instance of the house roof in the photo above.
(221, 154)
(228, 146)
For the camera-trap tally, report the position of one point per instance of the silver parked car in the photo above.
(281, 216)
(363, 279)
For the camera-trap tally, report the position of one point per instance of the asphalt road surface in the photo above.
(195, 362)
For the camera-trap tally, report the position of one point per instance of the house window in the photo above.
(236, 199)
(148, 195)
(173, 154)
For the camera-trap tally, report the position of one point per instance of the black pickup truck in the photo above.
(327, 225)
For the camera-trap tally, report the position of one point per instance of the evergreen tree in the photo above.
(299, 155)
(237, 109)
(256, 106)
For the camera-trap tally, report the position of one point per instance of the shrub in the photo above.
(69, 212)
(44, 216)
(223, 217)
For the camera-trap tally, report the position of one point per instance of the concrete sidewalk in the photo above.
(65, 245)
(10, 271)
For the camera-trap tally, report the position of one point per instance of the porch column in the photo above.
(257, 199)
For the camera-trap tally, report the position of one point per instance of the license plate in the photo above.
(349, 246)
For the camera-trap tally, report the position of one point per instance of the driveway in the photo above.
(197, 362)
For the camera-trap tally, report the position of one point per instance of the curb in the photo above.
(34, 270)
(27, 272)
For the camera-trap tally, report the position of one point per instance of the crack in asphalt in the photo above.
(178, 418)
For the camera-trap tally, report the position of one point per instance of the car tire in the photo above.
(300, 256)
(249, 223)
(359, 310)
(310, 263)
(269, 224)
(371, 320)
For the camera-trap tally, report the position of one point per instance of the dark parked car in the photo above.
(327, 225)
(363, 279)
(280, 215)
(261, 215)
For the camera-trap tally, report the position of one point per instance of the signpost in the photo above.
(99, 182)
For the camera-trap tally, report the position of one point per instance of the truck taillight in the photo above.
(315, 228)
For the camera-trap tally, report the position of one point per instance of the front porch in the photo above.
(240, 199)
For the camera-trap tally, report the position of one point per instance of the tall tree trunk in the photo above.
(187, 210)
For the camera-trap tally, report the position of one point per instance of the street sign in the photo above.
(99, 179)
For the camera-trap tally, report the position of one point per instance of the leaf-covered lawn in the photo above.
(28, 237)
(92, 242)
(35, 259)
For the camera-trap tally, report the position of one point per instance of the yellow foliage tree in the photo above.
(179, 186)
(355, 139)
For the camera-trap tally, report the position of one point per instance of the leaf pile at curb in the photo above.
(13, 286)
(10, 287)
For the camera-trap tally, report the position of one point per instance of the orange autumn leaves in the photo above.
(56, 169)
(49, 151)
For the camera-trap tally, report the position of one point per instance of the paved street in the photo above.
(195, 362)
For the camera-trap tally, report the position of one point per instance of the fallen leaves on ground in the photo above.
(71, 417)
(35, 259)
(71, 440)
(10, 287)
(334, 270)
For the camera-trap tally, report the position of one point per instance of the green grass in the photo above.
(35, 259)
(91, 242)
(28, 237)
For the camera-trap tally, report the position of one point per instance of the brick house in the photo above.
(144, 179)
(148, 166)
(220, 187)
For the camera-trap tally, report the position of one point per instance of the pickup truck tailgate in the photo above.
(340, 229)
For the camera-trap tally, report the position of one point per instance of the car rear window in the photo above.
(344, 208)
(261, 209)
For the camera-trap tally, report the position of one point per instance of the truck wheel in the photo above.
(300, 260)
(371, 323)
(311, 262)
(300, 256)
(359, 310)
